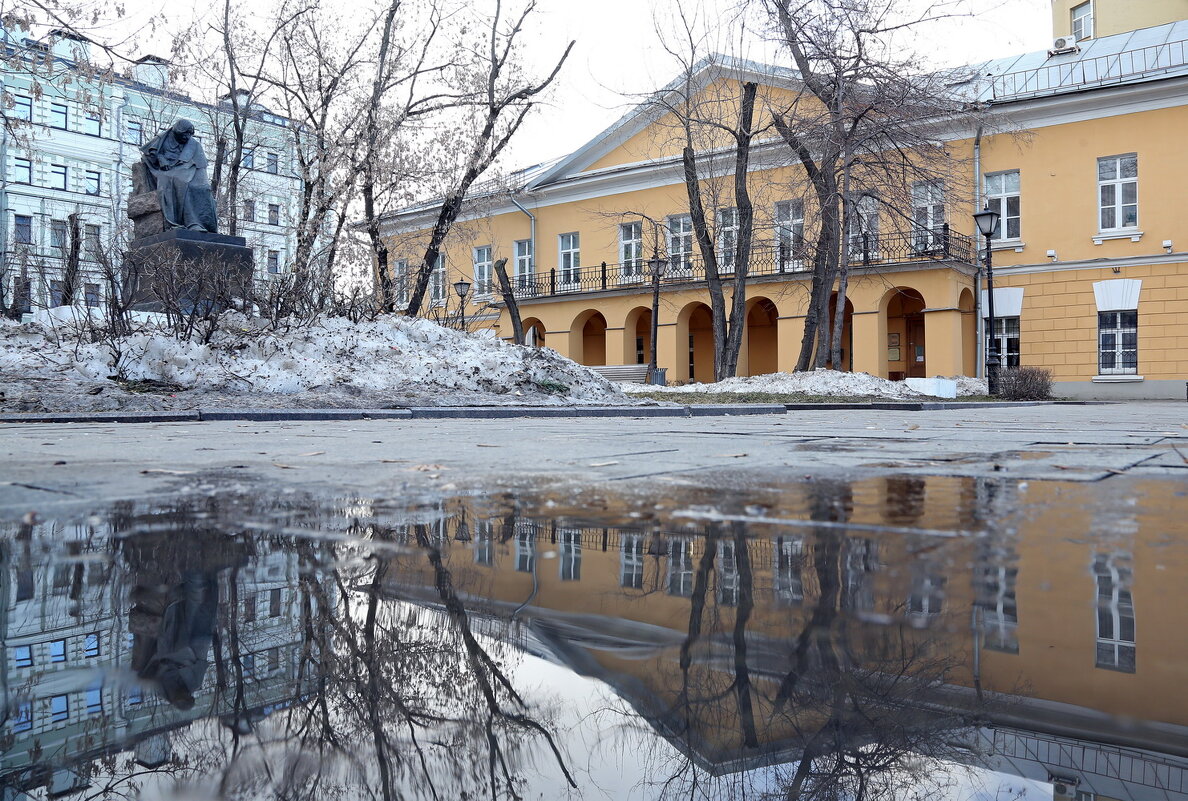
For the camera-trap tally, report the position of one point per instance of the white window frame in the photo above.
(1113, 181)
(400, 280)
(789, 579)
(525, 552)
(92, 124)
(729, 582)
(999, 608)
(1007, 330)
(570, 561)
(569, 258)
(1115, 604)
(482, 269)
(1113, 334)
(680, 244)
(727, 220)
(864, 219)
(1003, 196)
(928, 215)
(789, 235)
(631, 260)
(273, 262)
(437, 283)
(93, 179)
(631, 561)
(679, 581)
(134, 132)
(525, 267)
(1081, 24)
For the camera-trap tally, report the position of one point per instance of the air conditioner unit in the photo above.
(1063, 786)
(1064, 44)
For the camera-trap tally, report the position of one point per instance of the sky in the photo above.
(618, 56)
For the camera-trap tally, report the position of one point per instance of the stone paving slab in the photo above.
(46, 463)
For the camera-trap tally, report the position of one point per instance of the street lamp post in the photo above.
(462, 287)
(656, 265)
(987, 222)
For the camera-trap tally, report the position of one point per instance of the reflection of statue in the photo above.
(178, 168)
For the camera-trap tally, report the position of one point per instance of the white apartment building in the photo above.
(67, 146)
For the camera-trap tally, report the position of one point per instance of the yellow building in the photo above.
(1082, 156)
(1074, 641)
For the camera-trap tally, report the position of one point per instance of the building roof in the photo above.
(1124, 58)
(1147, 54)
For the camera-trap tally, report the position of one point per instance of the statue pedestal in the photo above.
(184, 271)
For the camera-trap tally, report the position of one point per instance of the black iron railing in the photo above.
(767, 259)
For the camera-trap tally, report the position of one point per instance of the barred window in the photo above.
(1117, 338)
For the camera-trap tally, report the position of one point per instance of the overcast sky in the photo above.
(618, 56)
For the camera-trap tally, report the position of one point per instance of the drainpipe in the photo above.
(119, 172)
(980, 348)
(531, 232)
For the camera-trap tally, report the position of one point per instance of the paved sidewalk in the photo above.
(91, 462)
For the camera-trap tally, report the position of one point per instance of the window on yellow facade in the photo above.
(437, 283)
(1006, 330)
(1082, 21)
(631, 249)
(400, 281)
(789, 221)
(680, 243)
(1117, 191)
(1002, 195)
(570, 258)
(727, 238)
(525, 269)
(1117, 342)
(928, 214)
(482, 270)
(863, 228)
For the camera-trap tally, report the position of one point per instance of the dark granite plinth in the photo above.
(182, 270)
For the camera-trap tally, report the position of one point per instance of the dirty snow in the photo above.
(818, 382)
(334, 363)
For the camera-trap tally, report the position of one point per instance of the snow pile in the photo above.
(818, 382)
(393, 360)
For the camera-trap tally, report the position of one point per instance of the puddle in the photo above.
(804, 641)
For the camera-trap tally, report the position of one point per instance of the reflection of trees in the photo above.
(378, 698)
(847, 705)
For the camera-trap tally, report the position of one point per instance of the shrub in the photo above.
(1025, 383)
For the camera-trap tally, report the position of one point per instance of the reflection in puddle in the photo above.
(819, 640)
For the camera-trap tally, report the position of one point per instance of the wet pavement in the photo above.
(820, 604)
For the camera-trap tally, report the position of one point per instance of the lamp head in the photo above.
(987, 221)
(462, 287)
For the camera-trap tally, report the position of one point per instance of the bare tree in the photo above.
(497, 109)
(864, 114)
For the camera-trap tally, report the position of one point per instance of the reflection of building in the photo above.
(68, 154)
(71, 630)
(1076, 640)
(1090, 252)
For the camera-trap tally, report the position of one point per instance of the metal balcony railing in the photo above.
(767, 259)
(1089, 72)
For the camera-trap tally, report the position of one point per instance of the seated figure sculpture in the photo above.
(177, 166)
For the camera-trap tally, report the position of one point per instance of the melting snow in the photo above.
(391, 361)
(817, 382)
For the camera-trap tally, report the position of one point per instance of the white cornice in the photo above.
(1151, 260)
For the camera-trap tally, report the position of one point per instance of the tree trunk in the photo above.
(73, 260)
(745, 212)
(509, 298)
